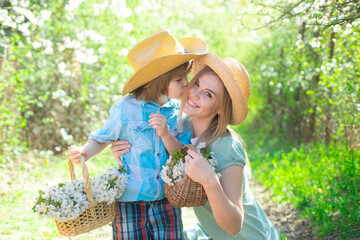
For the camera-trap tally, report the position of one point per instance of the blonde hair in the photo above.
(219, 125)
(152, 90)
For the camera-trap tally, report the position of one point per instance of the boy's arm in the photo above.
(171, 143)
(99, 139)
(159, 122)
(92, 147)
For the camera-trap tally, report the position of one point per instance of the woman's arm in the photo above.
(224, 195)
(119, 148)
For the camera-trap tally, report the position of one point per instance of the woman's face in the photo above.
(204, 97)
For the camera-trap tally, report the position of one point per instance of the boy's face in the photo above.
(177, 87)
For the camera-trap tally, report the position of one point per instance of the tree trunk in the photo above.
(328, 129)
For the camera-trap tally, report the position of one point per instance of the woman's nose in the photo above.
(195, 93)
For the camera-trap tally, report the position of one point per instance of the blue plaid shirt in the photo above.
(129, 121)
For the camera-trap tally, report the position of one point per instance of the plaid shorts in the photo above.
(147, 220)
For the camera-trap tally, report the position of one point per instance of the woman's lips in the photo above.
(192, 104)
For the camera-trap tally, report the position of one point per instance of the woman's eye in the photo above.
(208, 94)
(196, 83)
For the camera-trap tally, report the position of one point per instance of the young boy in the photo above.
(161, 64)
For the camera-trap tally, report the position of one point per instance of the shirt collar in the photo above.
(193, 140)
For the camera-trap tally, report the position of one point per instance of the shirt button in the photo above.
(157, 177)
(158, 154)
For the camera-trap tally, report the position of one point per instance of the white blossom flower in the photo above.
(67, 137)
(132, 40)
(201, 145)
(49, 50)
(102, 50)
(45, 15)
(66, 201)
(72, 5)
(59, 93)
(124, 52)
(24, 28)
(120, 9)
(3, 14)
(71, 44)
(92, 35)
(36, 44)
(174, 169)
(85, 55)
(337, 28)
(27, 13)
(126, 26)
(62, 67)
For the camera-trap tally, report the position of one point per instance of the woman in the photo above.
(215, 98)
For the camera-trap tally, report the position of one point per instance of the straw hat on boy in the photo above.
(235, 78)
(159, 53)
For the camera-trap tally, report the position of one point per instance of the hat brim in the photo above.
(194, 47)
(239, 103)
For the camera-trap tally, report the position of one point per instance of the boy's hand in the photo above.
(119, 148)
(74, 154)
(159, 122)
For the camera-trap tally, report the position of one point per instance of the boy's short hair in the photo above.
(153, 89)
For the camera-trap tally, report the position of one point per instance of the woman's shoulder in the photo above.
(228, 141)
(228, 151)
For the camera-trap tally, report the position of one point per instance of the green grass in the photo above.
(23, 177)
(323, 182)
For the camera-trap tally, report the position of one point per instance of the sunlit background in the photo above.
(63, 64)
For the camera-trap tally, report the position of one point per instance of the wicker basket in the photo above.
(95, 216)
(186, 193)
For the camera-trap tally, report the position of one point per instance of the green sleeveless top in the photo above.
(228, 151)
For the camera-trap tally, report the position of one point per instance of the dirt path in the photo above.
(285, 218)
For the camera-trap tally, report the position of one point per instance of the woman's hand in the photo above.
(74, 154)
(119, 148)
(198, 169)
(159, 122)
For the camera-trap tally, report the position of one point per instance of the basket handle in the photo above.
(85, 174)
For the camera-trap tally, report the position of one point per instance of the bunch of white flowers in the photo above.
(66, 201)
(174, 169)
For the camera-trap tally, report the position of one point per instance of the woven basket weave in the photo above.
(95, 216)
(186, 193)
